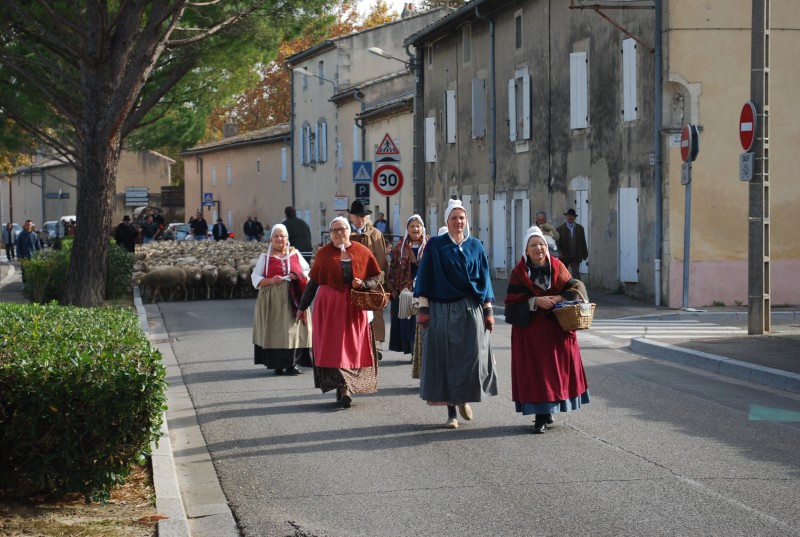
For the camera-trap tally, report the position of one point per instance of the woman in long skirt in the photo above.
(280, 340)
(344, 351)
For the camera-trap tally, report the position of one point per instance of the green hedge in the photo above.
(46, 272)
(82, 393)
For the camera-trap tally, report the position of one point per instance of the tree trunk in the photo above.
(97, 179)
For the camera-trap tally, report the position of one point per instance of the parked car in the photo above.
(180, 231)
(51, 227)
(17, 229)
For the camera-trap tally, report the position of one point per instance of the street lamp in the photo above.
(306, 72)
(383, 54)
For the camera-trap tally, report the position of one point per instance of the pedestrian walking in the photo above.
(281, 341)
(10, 241)
(150, 230)
(219, 231)
(299, 232)
(125, 234)
(249, 229)
(455, 310)
(199, 227)
(572, 244)
(402, 271)
(547, 375)
(345, 358)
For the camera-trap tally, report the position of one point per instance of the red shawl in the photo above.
(327, 268)
(521, 288)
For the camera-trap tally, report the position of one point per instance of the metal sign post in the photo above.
(690, 147)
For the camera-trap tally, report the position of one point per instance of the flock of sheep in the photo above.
(183, 270)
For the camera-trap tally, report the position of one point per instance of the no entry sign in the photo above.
(747, 125)
(690, 144)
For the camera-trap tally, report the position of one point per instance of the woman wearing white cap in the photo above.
(455, 311)
(344, 353)
(402, 271)
(547, 373)
(280, 340)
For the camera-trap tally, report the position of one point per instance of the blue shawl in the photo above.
(448, 273)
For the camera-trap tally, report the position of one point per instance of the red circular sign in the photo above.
(387, 179)
(747, 125)
(686, 143)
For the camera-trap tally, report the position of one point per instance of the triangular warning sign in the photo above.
(387, 146)
(362, 174)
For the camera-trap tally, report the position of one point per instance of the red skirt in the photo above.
(341, 331)
(546, 363)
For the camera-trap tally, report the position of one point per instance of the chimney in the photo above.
(408, 10)
(230, 129)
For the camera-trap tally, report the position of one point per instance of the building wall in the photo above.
(141, 169)
(714, 92)
(255, 187)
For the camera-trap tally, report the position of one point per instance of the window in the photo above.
(450, 116)
(629, 105)
(579, 90)
(316, 145)
(478, 108)
(228, 174)
(305, 79)
(519, 106)
(284, 164)
(430, 139)
(323, 141)
(466, 42)
(321, 71)
(518, 30)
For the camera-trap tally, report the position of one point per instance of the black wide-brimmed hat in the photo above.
(357, 208)
(571, 212)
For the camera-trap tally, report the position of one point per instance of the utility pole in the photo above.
(758, 266)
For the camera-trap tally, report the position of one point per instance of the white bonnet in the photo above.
(456, 204)
(341, 219)
(276, 227)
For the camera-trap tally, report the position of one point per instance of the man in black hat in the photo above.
(219, 231)
(125, 234)
(364, 232)
(572, 244)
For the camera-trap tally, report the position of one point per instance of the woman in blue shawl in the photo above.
(455, 311)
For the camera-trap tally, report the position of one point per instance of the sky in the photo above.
(394, 5)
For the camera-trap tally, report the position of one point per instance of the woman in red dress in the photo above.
(547, 373)
(344, 354)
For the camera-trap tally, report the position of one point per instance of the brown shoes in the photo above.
(466, 411)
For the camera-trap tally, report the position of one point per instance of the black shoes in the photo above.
(278, 372)
(294, 370)
(541, 423)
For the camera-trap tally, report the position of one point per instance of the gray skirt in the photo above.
(457, 362)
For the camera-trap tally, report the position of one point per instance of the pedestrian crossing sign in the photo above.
(387, 151)
(362, 171)
(208, 199)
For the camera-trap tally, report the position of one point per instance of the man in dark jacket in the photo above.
(125, 234)
(572, 244)
(299, 232)
(219, 231)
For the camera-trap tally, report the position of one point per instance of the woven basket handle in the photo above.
(577, 289)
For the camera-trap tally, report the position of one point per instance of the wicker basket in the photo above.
(575, 316)
(375, 300)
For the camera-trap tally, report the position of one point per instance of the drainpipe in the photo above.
(657, 165)
(416, 64)
(492, 104)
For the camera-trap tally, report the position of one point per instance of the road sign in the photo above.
(362, 171)
(746, 161)
(747, 125)
(387, 150)
(686, 173)
(388, 180)
(208, 199)
(690, 143)
(362, 190)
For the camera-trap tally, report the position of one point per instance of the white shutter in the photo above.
(432, 221)
(450, 115)
(499, 234)
(323, 143)
(526, 105)
(629, 96)
(628, 227)
(578, 91)
(301, 141)
(466, 201)
(284, 164)
(316, 142)
(430, 139)
(512, 110)
(228, 174)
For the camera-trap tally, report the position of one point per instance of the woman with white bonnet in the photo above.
(402, 271)
(455, 311)
(547, 375)
(344, 351)
(280, 340)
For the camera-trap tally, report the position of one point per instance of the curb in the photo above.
(165, 479)
(767, 376)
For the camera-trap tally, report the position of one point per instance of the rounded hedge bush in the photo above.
(82, 393)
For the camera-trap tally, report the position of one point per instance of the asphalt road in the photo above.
(661, 450)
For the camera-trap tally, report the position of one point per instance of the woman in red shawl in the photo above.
(547, 373)
(344, 356)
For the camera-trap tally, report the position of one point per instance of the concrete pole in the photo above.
(758, 268)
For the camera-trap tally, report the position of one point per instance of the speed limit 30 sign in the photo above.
(387, 179)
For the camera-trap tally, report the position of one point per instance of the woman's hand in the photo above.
(423, 317)
(357, 283)
(546, 302)
(301, 315)
(276, 280)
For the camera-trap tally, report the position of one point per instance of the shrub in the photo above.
(81, 397)
(46, 272)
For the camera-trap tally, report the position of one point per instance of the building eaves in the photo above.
(462, 15)
(402, 102)
(310, 52)
(273, 134)
(347, 93)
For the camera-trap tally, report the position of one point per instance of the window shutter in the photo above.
(430, 139)
(526, 106)
(512, 110)
(450, 115)
(578, 91)
(316, 142)
(324, 142)
(284, 164)
(629, 96)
